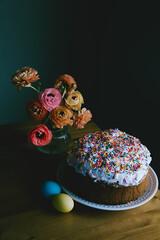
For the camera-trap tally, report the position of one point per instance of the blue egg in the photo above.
(50, 188)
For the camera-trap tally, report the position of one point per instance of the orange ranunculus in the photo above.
(82, 117)
(74, 100)
(35, 110)
(61, 116)
(65, 81)
(24, 77)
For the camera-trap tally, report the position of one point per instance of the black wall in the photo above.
(113, 50)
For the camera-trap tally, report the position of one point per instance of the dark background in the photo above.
(111, 48)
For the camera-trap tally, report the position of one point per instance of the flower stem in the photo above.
(39, 86)
(35, 89)
(64, 92)
(47, 119)
(72, 86)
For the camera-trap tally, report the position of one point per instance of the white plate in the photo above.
(147, 196)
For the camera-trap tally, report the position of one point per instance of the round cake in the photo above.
(108, 167)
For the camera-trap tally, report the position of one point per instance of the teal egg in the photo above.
(50, 188)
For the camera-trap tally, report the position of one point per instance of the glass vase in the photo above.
(59, 143)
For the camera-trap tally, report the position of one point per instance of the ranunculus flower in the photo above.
(74, 100)
(24, 76)
(61, 116)
(65, 81)
(35, 110)
(81, 118)
(40, 135)
(50, 98)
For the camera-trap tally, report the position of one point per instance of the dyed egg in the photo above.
(63, 202)
(50, 188)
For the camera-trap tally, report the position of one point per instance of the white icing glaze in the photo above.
(111, 156)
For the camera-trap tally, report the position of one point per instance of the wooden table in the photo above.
(26, 215)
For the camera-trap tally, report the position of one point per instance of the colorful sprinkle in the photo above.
(111, 156)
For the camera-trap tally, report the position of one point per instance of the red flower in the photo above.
(40, 135)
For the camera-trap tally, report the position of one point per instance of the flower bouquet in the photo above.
(57, 108)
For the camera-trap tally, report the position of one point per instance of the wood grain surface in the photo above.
(26, 215)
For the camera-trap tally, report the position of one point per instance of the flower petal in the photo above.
(40, 135)
(35, 110)
(82, 118)
(66, 81)
(61, 116)
(50, 98)
(74, 100)
(24, 76)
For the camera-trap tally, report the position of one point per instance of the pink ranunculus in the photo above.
(50, 98)
(40, 135)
